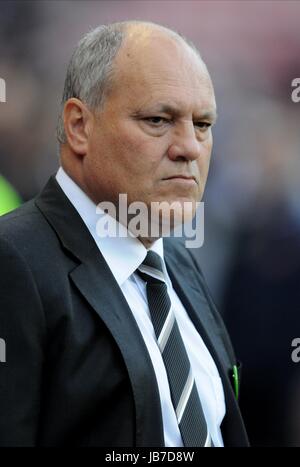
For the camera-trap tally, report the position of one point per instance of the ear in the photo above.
(78, 122)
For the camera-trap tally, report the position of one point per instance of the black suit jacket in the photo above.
(77, 371)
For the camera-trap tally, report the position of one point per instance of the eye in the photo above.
(156, 120)
(202, 125)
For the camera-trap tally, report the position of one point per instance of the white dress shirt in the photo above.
(123, 255)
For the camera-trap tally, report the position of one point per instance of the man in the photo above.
(80, 312)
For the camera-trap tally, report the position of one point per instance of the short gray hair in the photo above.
(90, 69)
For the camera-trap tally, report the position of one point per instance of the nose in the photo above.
(185, 145)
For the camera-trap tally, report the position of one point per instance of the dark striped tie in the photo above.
(184, 394)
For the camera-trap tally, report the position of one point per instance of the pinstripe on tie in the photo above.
(184, 394)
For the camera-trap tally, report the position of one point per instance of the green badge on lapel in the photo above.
(235, 376)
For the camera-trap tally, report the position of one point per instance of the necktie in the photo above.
(184, 394)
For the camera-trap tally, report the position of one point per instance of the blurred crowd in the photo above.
(251, 255)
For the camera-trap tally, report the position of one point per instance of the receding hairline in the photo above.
(133, 34)
(133, 28)
(135, 25)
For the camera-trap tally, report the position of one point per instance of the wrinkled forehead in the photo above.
(151, 51)
(151, 57)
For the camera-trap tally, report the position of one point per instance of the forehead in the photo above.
(154, 67)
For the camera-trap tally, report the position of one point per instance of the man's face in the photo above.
(152, 140)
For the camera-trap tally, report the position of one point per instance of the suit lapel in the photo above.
(96, 283)
(101, 291)
(197, 307)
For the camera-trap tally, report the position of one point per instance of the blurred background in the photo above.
(251, 254)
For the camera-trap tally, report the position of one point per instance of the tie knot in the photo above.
(151, 268)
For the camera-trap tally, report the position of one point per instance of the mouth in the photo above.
(182, 178)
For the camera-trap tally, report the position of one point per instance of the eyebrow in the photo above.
(174, 110)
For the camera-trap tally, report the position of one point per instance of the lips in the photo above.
(181, 177)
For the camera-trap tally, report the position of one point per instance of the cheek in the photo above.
(203, 167)
(204, 159)
(140, 155)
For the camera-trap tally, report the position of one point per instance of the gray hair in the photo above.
(90, 69)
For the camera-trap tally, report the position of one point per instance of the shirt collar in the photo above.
(123, 254)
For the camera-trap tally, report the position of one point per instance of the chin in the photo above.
(167, 215)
